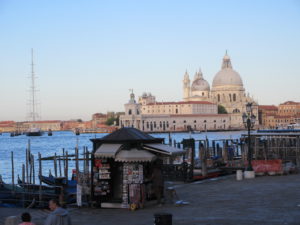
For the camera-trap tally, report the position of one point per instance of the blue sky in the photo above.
(89, 53)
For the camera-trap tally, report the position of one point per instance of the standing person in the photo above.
(26, 219)
(58, 216)
(158, 183)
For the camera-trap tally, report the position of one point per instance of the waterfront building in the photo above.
(98, 118)
(285, 114)
(266, 115)
(289, 108)
(54, 125)
(7, 126)
(151, 116)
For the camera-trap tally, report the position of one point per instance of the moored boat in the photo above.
(34, 132)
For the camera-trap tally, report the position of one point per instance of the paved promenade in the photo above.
(264, 200)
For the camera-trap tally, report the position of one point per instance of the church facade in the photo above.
(199, 109)
(227, 90)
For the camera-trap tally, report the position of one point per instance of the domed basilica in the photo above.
(227, 90)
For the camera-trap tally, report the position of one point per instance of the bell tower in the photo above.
(186, 87)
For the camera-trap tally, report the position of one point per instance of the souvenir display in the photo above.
(102, 177)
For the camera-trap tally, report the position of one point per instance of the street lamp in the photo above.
(249, 121)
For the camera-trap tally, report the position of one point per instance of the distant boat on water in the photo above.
(34, 132)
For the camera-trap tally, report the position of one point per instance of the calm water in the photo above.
(48, 145)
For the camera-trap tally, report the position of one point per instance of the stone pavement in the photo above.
(264, 200)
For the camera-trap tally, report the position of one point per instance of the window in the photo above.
(234, 97)
(204, 121)
(218, 97)
(236, 111)
(174, 121)
(176, 111)
(184, 121)
(129, 111)
(195, 121)
(202, 93)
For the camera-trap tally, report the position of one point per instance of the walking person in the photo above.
(26, 219)
(58, 216)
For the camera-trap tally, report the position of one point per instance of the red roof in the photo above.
(290, 103)
(7, 122)
(268, 107)
(45, 121)
(182, 103)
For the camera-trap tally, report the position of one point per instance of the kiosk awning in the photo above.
(134, 155)
(107, 150)
(163, 149)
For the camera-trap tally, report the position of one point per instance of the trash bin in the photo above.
(162, 219)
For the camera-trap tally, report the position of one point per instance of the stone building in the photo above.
(199, 108)
(151, 116)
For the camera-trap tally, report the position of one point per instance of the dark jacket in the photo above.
(59, 216)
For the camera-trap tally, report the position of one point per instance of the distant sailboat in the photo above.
(33, 131)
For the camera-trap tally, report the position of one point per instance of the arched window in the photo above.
(204, 121)
(236, 111)
(176, 111)
(234, 97)
(202, 93)
(229, 97)
(218, 97)
(129, 111)
(174, 121)
(137, 112)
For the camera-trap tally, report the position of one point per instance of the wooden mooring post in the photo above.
(40, 174)
(12, 171)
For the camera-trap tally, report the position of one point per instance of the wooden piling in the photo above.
(203, 158)
(76, 162)
(40, 176)
(26, 166)
(25, 187)
(12, 171)
(55, 165)
(59, 165)
(33, 169)
(66, 167)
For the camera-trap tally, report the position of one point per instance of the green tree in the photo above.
(110, 121)
(221, 110)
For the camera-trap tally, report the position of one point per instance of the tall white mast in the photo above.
(33, 113)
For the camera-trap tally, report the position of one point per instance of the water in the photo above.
(49, 145)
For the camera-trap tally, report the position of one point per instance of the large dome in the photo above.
(227, 76)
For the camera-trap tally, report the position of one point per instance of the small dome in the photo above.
(200, 85)
(227, 76)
